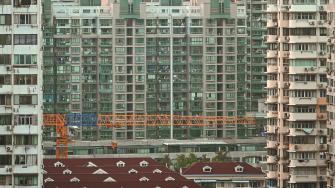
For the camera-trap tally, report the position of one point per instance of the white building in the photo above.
(20, 93)
(296, 101)
(331, 95)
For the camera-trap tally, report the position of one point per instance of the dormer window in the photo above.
(157, 171)
(132, 171)
(75, 180)
(48, 180)
(109, 179)
(144, 179)
(169, 179)
(99, 171)
(59, 164)
(144, 164)
(90, 164)
(67, 171)
(120, 164)
(239, 168)
(207, 169)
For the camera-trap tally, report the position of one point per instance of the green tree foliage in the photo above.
(183, 161)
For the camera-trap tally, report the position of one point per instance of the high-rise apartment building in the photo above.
(123, 57)
(296, 101)
(20, 93)
(331, 95)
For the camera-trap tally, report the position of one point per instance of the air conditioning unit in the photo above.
(311, 23)
(8, 68)
(312, 68)
(9, 148)
(9, 169)
(320, 85)
(296, 147)
(9, 128)
(321, 8)
(306, 69)
(286, 69)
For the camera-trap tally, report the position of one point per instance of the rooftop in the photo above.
(111, 172)
(219, 168)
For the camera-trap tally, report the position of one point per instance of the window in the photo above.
(25, 79)
(5, 39)
(5, 2)
(25, 19)
(26, 120)
(25, 99)
(5, 59)
(26, 159)
(5, 160)
(5, 120)
(25, 180)
(5, 19)
(25, 39)
(18, 3)
(5, 79)
(5, 99)
(239, 169)
(25, 139)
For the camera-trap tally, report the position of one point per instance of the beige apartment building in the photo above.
(296, 101)
(331, 95)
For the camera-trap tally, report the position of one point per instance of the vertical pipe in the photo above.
(171, 79)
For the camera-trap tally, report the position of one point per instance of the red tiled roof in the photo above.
(87, 179)
(225, 168)
(189, 184)
(80, 162)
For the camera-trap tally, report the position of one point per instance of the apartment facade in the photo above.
(296, 101)
(330, 95)
(20, 93)
(115, 57)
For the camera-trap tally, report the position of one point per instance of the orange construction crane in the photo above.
(61, 121)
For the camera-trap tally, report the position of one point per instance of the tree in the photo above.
(183, 161)
(221, 156)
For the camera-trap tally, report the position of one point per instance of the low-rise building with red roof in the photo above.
(225, 175)
(111, 173)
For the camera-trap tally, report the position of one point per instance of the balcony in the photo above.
(272, 54)
(271, 99)
(272, 175)
(272, 68)
(303, 54)
(272, 114)
(22, 169)
(271, 129)
(306, 131)
(271, 144)
(306, 162)
(302, 117)
(302, 178)
(302, 101)
(307, 147)
(26, 129)
(303, 85)
(271, 38)
(271, 159)
(271, 83)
